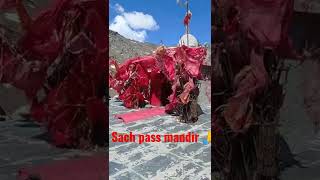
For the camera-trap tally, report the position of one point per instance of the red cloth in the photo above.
(190, 59)
(23, 74)
(266, 21)
(185, 95)
(141, 114)
(133, 81)
(137, 75)
(186, 19)
(250, 81)
(157, 82)
(76, 100)
(264, 24)
(93, 168)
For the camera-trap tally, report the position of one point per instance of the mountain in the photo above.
(121, 48)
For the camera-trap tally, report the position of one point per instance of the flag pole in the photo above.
(187, 24)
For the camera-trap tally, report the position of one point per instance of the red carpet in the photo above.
(141, 114)
(85, 168)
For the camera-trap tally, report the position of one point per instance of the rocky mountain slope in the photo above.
(121, 48)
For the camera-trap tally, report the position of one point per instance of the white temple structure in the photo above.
(188, 40)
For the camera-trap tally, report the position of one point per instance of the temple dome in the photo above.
(193, 42)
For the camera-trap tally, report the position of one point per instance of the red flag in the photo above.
(187, 18)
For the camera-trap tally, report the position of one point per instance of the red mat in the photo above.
(87, 168)
(141, 114)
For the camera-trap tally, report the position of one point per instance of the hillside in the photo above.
(121, 48)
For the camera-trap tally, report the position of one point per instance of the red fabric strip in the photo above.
(141, 114)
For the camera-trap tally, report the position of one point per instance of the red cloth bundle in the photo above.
(264, 24)
(68, 61)
(187, 18)
(136, 75)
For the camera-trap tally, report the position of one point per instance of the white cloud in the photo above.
(133, 25)
(121, 26)
(119, 8)
(138, 20)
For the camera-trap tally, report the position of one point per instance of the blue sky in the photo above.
(159, 20)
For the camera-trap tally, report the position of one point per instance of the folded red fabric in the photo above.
(141, 114)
